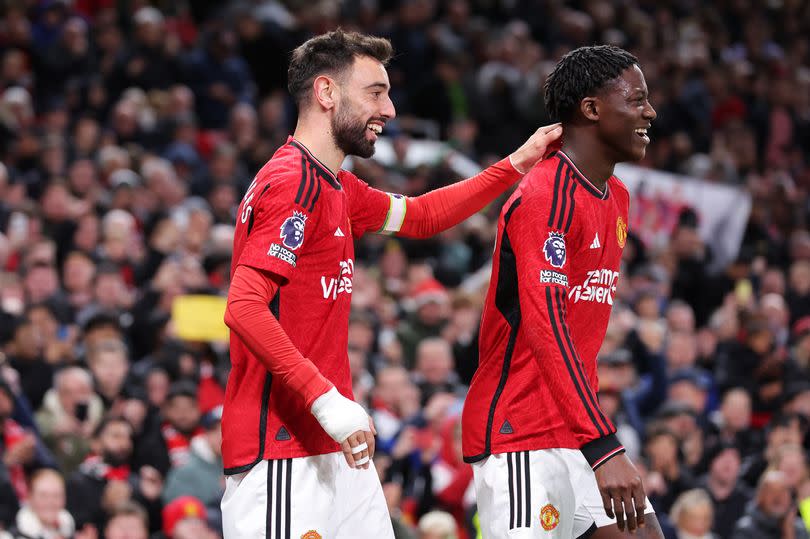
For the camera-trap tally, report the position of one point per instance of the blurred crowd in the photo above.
(129, 132)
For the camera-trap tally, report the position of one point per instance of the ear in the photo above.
(325, 91)
(589, 109)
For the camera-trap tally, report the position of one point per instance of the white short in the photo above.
(549, 494)
(307, 498)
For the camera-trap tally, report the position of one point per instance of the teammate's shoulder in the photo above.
(538, 185)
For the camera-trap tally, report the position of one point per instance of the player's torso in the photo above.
(312, 308)
(526, 416)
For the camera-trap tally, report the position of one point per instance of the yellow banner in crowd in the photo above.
(199, 318)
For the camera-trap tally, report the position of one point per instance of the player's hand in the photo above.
(347, 423)
(539, 145)
(622, 492)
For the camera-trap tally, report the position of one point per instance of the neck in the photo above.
(590, 157)
(316, 135)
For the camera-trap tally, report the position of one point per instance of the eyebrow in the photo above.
(381, 85)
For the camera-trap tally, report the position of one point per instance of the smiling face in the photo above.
(624, 115)
(363, 108)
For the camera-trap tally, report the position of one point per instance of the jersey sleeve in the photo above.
(276, 221)
(540, 233)
(371, 210)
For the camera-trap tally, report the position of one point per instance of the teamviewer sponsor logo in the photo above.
(599, 286)
(333, 286)
(282, 253)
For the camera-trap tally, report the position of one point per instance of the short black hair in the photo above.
(331, 53)
(579, 74)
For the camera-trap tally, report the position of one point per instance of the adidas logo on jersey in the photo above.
(506, 428)
(339, 233)
(283, 434)
(595, 243)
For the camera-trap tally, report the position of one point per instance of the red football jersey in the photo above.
(554, 277)
(297, 221)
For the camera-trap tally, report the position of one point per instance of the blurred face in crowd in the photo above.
(87, 233)
(687, 392)
(110, 290)
(736, 410)
(126, 527)
(41, 282)
(434, 360)
(115, 443)
(696, 519)
(773, 495)
(391, 383)
(44, 322)
(183, 414)
(681, 351)
(78, 273)
(157, 387)
(662, 451)
(725, 467)
(109, 368)
(27, 342)
(681, 318)
(785, 435)
(47, 497)
(192, 528)
(73, 386)
(363, 101)
(800, 277)
(793, 464)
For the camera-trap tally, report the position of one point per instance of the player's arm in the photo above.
(429, 214)
(539, 234)
(251, 291)
(426, 215)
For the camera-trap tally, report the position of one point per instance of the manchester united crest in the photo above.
(621, 232)
(549, 517)
(311, 534)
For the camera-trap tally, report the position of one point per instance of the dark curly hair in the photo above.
(331, 54)
(579, 74)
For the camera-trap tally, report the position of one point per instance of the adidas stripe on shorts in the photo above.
(316, 497)
(548, 494)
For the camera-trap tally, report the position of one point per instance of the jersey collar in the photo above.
(315, 162)
(591, 188)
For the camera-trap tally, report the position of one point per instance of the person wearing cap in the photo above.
(185, 518)
(722, 484)
(201, 476)
(180, 423)
(429, 302)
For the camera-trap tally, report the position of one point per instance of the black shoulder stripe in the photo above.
(555, 200)
(303, 182)
(564, 196)
(312, 179)
(571, 210)
(317, 194)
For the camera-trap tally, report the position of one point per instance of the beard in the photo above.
(350, 134)
(116, 459)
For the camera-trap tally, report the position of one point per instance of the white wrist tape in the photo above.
(339, 416)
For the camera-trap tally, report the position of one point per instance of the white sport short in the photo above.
(305, 498)
(548, 494)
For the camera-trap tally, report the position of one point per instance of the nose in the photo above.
(388, 111)
(649, 112)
